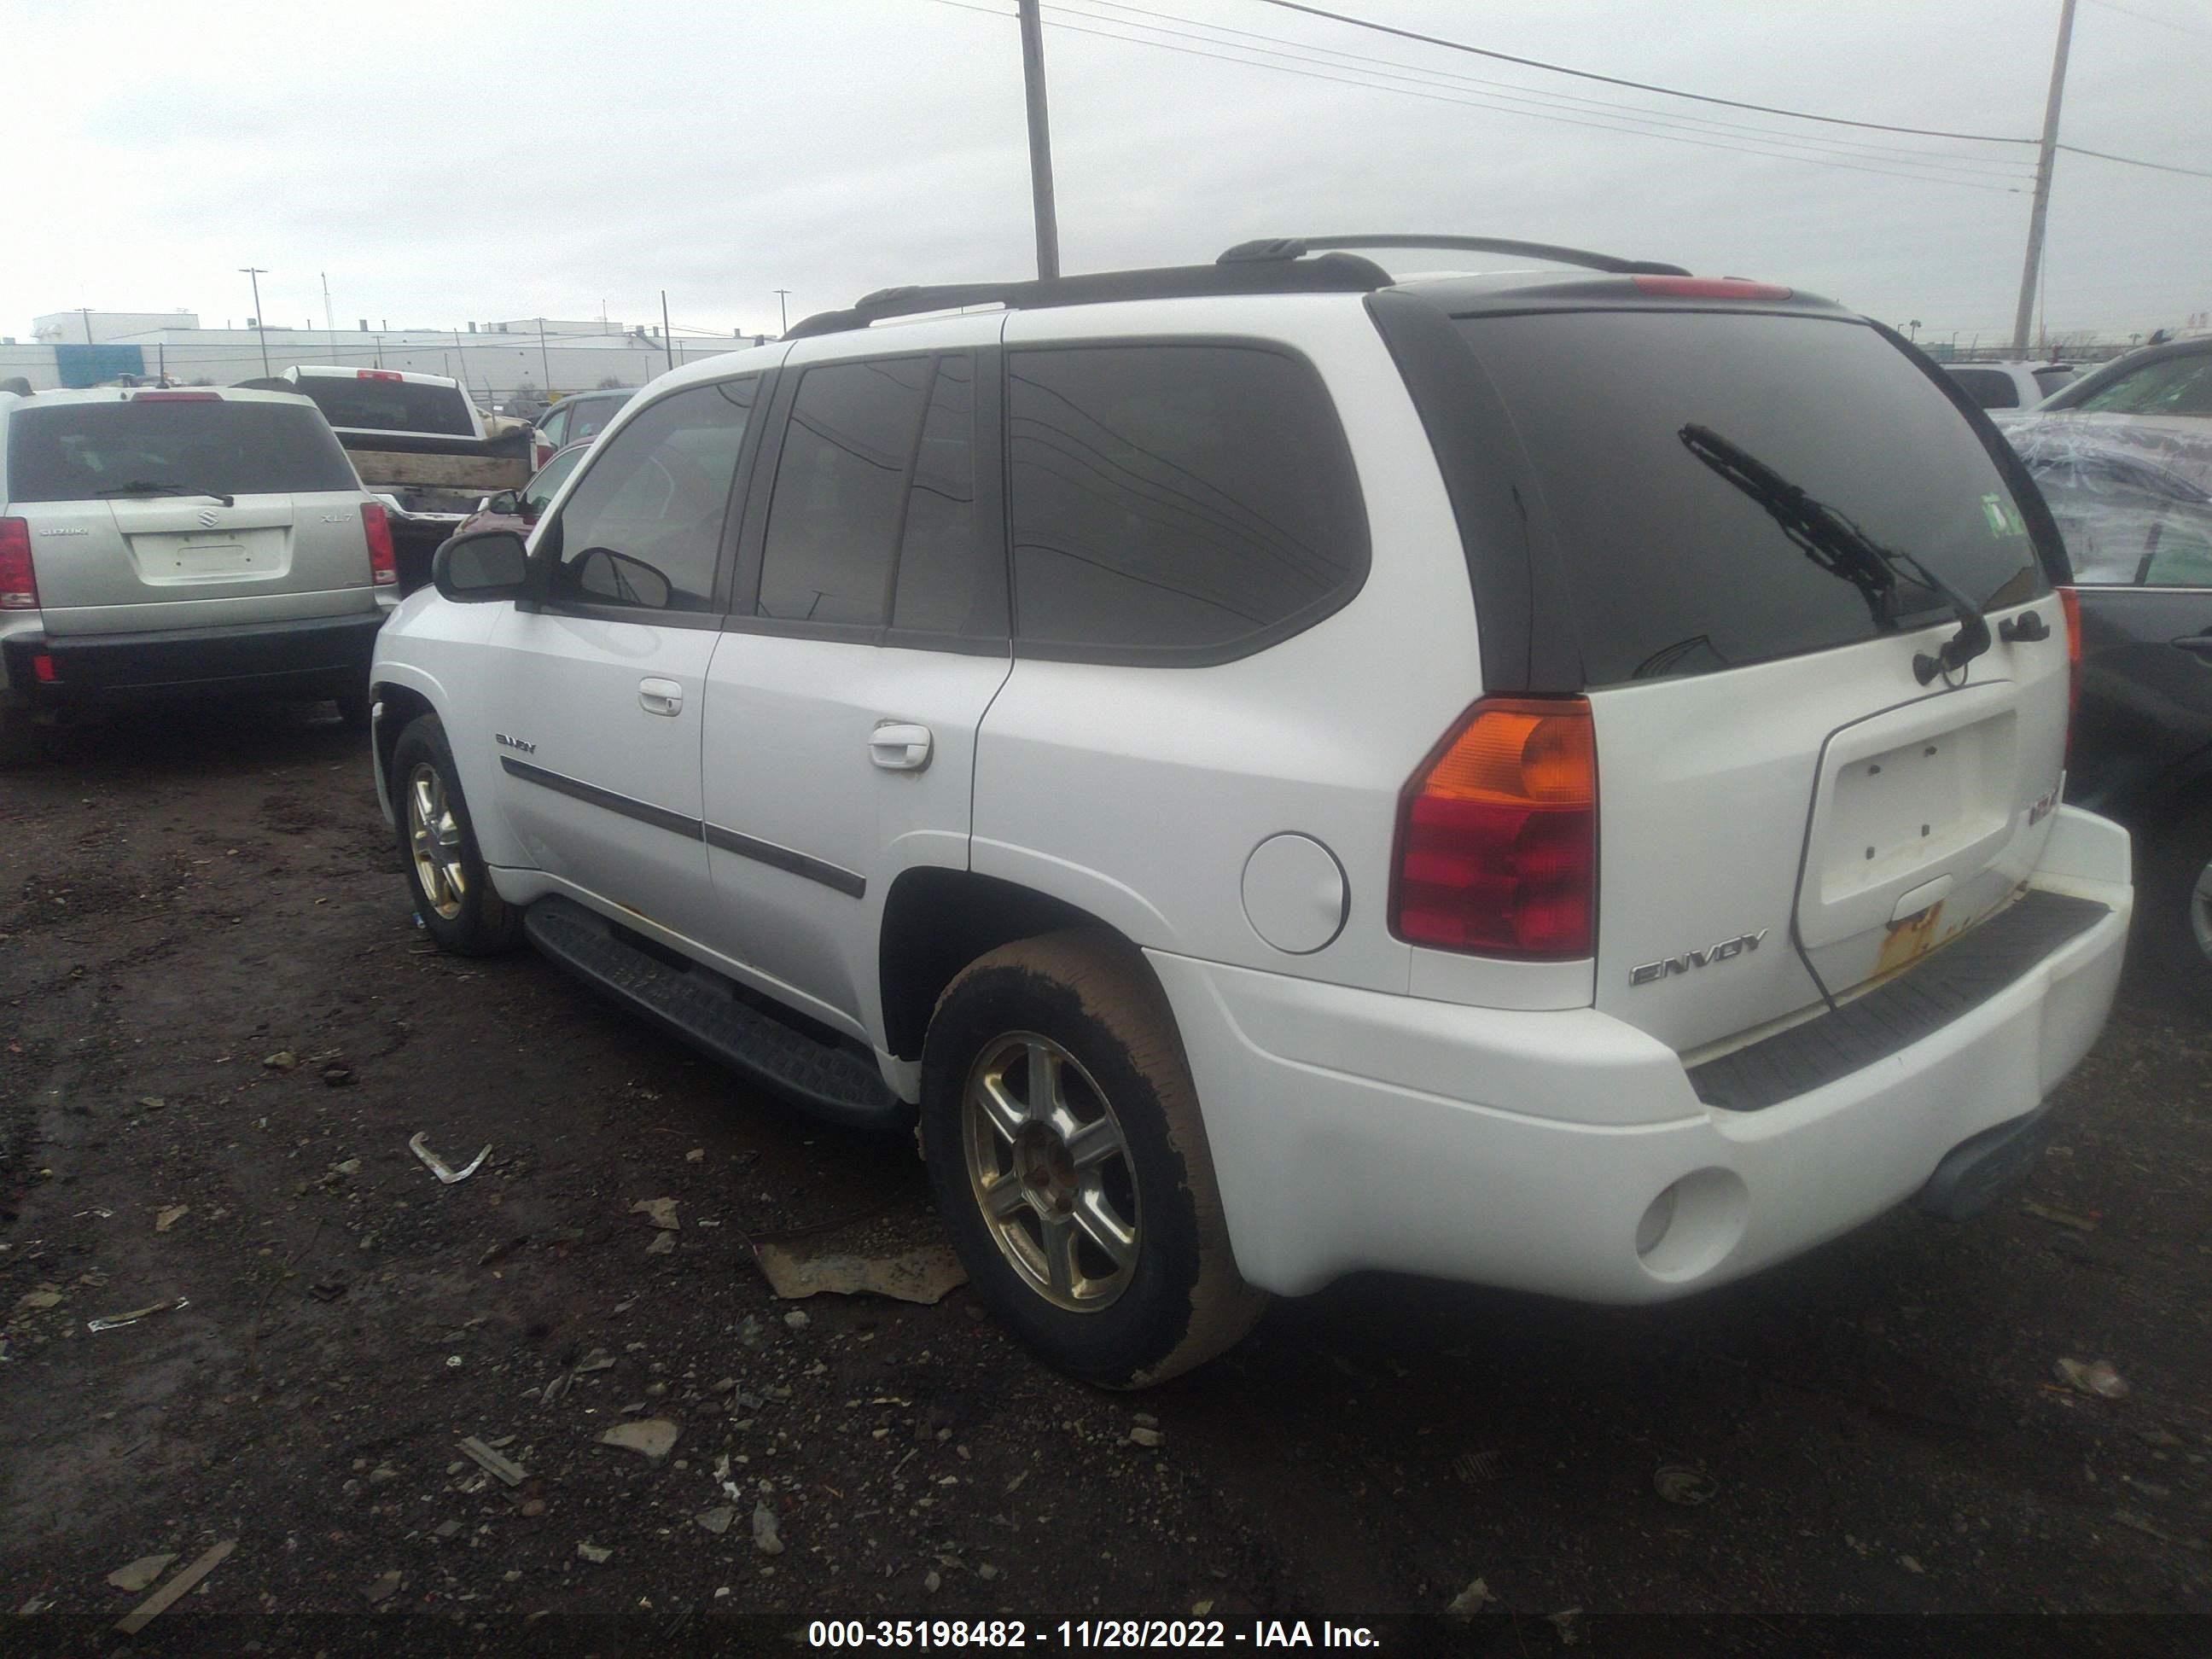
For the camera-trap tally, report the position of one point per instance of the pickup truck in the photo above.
(421, 445)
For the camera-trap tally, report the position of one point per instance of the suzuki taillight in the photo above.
(19, 583)
(1497, 849)
(383, 563)
(2069, 601)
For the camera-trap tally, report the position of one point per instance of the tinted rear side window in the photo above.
(389, 406)
(1674, 569)
(1991, 388)
(1176, 501)
(75, 452)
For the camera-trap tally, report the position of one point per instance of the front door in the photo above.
(598, 703)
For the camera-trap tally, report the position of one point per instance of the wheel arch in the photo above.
(937, 920)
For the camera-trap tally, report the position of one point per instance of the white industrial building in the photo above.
(497, 361)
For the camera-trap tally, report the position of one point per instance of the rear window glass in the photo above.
(390, 405)
(1993, 388)
(77, 452)
(1640, 425)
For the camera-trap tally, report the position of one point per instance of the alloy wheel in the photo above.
(434, 836)
(1050, 1172)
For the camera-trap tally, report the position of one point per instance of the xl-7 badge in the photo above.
(1727, 949)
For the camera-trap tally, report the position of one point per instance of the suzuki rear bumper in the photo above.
(317, 657)
(1570, 1153)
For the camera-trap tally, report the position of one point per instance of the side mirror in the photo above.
(479, 568)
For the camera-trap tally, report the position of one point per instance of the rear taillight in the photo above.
(1497, 849)
(19, 583)
(383, 563)
(543, 453)
(1710, 288)
(2069, 601)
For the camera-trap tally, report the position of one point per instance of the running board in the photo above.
(834, 1079)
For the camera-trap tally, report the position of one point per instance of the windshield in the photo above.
(389, 406)
(79, 451)
(1674, 568)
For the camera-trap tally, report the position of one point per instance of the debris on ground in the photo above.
(142, 1572)
(923, 1274)
(165, 1219)
(282, 1060)
(2097, 1379)
(1678, 1483)
(492, 1463)
(717, 1520)
(338, 1076)
(2079, 1223)
(37, 1301)
(598, 1360)
(1567, 1622)
(328, 1289)
(1141, 1436)
(116, 1321)
(2150, 1529)
(766, 1539)
(592, 1552)
(796, 1321)
(1911, 1564)
(140, 1616)
(696, 1155)
(382, 1587)
(1479, 1468)
(663, 1244)
(503, 1249)
(661, 1211)
(1471, 1601)
(439, 1167)
(653, 1436)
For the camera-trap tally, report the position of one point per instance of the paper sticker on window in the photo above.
(2004, 518)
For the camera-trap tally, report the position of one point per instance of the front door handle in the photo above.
(898, 747)
(660, 697)
(2200, 643)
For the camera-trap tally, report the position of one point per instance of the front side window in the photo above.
(643, 527)
(555, 426)
(537, 494)
(1169, 499)
(2177, 385)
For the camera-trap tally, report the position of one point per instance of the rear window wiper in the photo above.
(1831, 540)
(141, 487)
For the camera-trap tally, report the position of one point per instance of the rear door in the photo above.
(842, 711)
(131, 529)
(1786, 808)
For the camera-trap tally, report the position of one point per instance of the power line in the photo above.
(1639, 86)
(1855, 149)
(1598, 125)
(2129, 160)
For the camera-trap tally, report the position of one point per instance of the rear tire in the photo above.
(2177, 890)
(446, 873)
(1086, 1211)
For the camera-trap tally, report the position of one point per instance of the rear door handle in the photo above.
(898, 747)
(660, 697)
(2200, 643)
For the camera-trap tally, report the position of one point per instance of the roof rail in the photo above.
(1272, 249)
(1333, 273)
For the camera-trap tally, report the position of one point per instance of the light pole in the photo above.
(544, 361)
(783, 316)
(256, 273)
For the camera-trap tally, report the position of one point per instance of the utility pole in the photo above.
(329, 328)
(256, 273)
(667, 334)
(85, 311)
(2045, 158)
(1048, 218)
(544, 361)
(783, 316)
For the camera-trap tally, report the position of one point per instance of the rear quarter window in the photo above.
(79, 452)
(1671, 569)
(1176, 501)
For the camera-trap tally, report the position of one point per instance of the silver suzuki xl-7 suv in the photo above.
(158, 542)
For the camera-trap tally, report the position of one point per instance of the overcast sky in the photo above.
(455, 161)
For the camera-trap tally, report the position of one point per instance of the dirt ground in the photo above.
(1878, 1428)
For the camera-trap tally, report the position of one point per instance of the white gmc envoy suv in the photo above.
(1285, 770)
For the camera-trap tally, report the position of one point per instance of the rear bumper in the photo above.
(1351, 1129)
(317, 656)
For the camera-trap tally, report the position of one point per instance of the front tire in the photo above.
(1069, 1159)
(2177, 887)
(446, 873)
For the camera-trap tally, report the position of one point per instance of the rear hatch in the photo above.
(1761, 519)
(168, 510)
